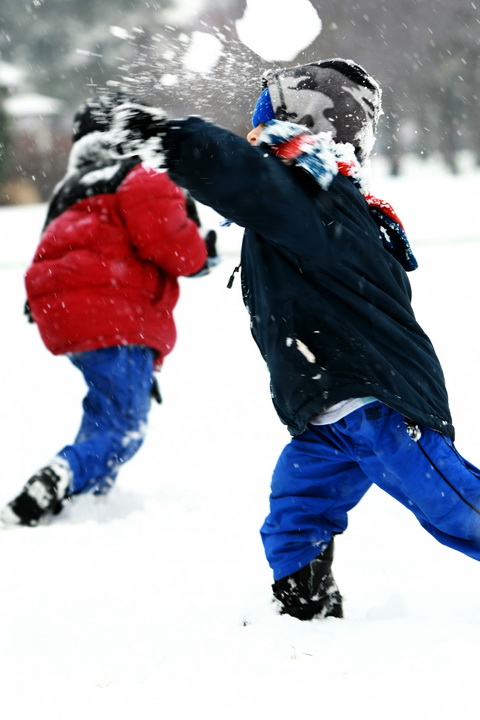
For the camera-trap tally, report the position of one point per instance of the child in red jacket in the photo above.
(102, 288)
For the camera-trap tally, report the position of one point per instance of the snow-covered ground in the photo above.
(155, 603)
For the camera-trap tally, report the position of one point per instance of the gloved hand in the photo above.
(138, 130)
(213, 259)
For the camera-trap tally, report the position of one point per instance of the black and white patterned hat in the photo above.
(330, 95)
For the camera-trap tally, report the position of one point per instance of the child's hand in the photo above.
(138, 130)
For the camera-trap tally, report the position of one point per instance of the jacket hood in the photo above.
(97, 148)
(96, 113)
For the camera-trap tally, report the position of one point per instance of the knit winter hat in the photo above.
(336, 96)
(96, 113)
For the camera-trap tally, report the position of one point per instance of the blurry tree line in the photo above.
(424, 53)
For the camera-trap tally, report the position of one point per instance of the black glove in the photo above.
(138, 130)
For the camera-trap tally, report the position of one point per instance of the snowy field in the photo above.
(155, 603)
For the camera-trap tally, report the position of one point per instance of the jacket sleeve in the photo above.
(245, 184)
(154, 212)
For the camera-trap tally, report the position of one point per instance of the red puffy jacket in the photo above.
(115, 241)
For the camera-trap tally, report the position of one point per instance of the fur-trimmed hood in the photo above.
(94, 168)
(96, 148)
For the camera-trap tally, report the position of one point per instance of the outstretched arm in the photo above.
(244, 183)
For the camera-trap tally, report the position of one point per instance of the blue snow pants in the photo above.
(324, 472)
(115, 412)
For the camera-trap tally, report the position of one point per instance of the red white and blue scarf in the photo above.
(322, 158)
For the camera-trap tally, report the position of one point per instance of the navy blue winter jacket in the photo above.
(329, 305)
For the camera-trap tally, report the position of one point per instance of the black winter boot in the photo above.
(42, 495)
(311, 591)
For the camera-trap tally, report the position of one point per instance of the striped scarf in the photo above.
(322, 158)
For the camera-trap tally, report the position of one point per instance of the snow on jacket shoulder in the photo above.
(116, 238)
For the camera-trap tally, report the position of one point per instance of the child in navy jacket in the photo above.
(324, 277)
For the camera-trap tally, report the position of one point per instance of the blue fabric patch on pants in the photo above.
(115, 412)
(325, 471)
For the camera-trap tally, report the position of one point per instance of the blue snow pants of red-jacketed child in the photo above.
(115, 412)
(325, 471)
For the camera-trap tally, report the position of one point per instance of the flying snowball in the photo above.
(203, 52)
(277, 35)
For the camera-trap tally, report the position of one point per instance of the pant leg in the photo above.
(315, 483)
(325, 471)
(430, 478)
(115, 413)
